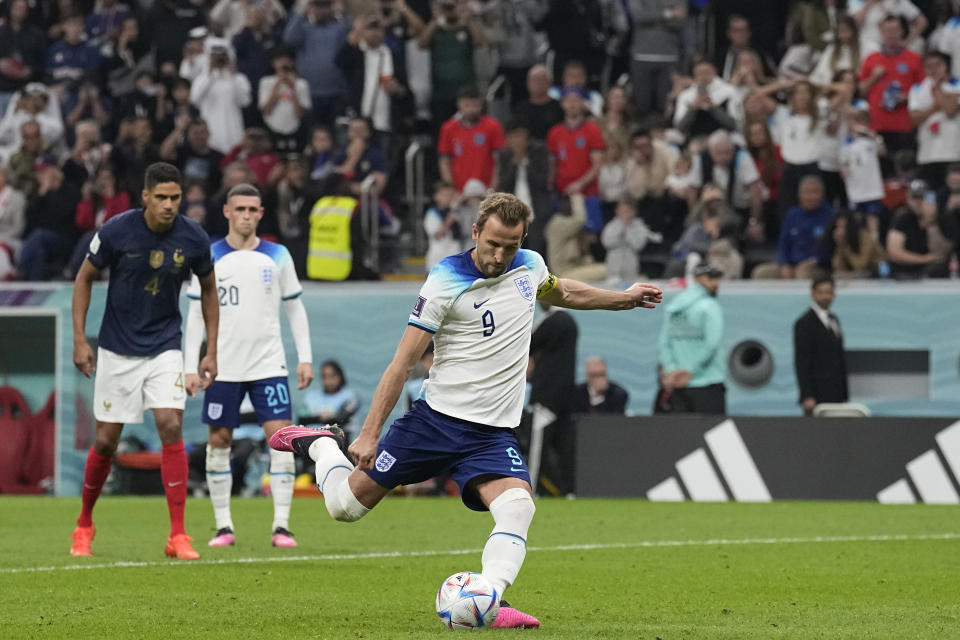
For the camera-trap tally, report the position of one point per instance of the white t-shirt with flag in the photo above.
(938, 137)
(860, 162)
(251, 283)
(482, 329)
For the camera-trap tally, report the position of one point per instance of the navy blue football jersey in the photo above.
(147, 269)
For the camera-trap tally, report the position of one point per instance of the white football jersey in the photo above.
(859, 157)
(251, 283)
(481, 330)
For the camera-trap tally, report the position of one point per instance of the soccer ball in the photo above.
(467, 600)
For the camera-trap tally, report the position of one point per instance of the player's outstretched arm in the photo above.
(211, 320)
(412, 345)
(573, 294)
(82, 353)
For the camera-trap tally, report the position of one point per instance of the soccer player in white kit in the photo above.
(253, 277)
(477, 307)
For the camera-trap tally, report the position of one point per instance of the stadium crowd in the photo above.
(821, 134)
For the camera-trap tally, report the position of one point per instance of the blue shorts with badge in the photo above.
(270, 398)
(425, 443)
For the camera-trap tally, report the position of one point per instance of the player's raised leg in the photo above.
(95, 472)
(220, 482)
(173, 474)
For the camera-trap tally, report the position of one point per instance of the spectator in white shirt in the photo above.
(947, 39)
(934, 105)
(283, 99)
(220, 93)
(870, 13)
(841, 54)
(707, 105)
(623, 238)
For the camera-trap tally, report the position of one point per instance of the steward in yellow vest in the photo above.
(329, 255)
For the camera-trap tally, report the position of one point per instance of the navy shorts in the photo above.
(270, 398)
(425, 443)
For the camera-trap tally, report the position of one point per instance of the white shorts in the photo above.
(126, 386)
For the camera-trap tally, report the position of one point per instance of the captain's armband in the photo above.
(548, 285)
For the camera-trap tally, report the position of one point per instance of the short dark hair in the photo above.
(243, 189)
(333, 364)
(936, 53)
(509, 208)
(469, 92)
(516, 125)
(640, 132)
(823, 278)
(953, 167)
(160, 173)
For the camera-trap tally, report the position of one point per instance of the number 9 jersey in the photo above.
(482, 329)
(250, 286)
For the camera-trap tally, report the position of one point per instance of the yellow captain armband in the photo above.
(548, 285)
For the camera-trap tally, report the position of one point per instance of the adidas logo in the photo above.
(928, 477)
(728, 471)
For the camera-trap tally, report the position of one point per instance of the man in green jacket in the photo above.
(691, 364)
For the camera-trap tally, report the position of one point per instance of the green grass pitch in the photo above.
(595, 569)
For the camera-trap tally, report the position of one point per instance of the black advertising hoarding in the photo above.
(756, 459)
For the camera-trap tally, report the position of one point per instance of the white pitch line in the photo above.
(650, 544)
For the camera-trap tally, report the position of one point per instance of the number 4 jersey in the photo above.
(147, 270)
(251, 283)
(481, 339)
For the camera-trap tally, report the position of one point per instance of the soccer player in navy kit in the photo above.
(149, 251)
(477, 307)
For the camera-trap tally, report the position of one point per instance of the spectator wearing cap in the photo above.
(576, 150)
(885, 78)
(860, 168)
(51, 231)
(539, 112)
(468, 143)
(599, 394)
(934, 104)
(916, 245)
(689, 348)
(376, 84)
(707, 105)
(451, 38)
(800, 248)
(33, 104)
(284, 102)
(317, 36)
(22, 52)
(220, 93)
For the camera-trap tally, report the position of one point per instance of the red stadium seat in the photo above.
(14, 434)
(39, 463)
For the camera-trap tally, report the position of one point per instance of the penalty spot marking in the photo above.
(649, 544)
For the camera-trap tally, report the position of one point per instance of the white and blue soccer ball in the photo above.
(467, 600)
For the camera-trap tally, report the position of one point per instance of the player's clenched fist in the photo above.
(83, 358)
(208, 371)
(191, 382)
(363, 450)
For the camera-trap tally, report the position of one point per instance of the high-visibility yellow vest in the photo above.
(329, 256)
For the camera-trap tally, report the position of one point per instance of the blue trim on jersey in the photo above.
(193, 297)
(421, 326)
(219, 249)
(276, 252)
(293, 295)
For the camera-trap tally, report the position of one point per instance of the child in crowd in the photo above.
(624, 237)
(320, 153)
(444, 235)
(860, 168)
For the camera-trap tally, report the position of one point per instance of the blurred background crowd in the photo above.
(773, 139)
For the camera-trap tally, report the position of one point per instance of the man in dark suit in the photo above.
(818, 350)
(598, 394)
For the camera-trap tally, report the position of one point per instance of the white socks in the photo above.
(506, 547)
(282, 470)
(333, 469)
(220, 484)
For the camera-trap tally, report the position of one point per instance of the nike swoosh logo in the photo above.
(224, 278)
(174, 484)
(276, 411)
(477, 305)
(87, 486)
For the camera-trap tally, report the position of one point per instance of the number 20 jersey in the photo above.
(251, 283)
(481, 330)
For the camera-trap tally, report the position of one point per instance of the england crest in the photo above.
(384, 461)
(215, 410)
(524, 287)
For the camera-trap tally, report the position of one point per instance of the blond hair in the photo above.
(509, 208)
